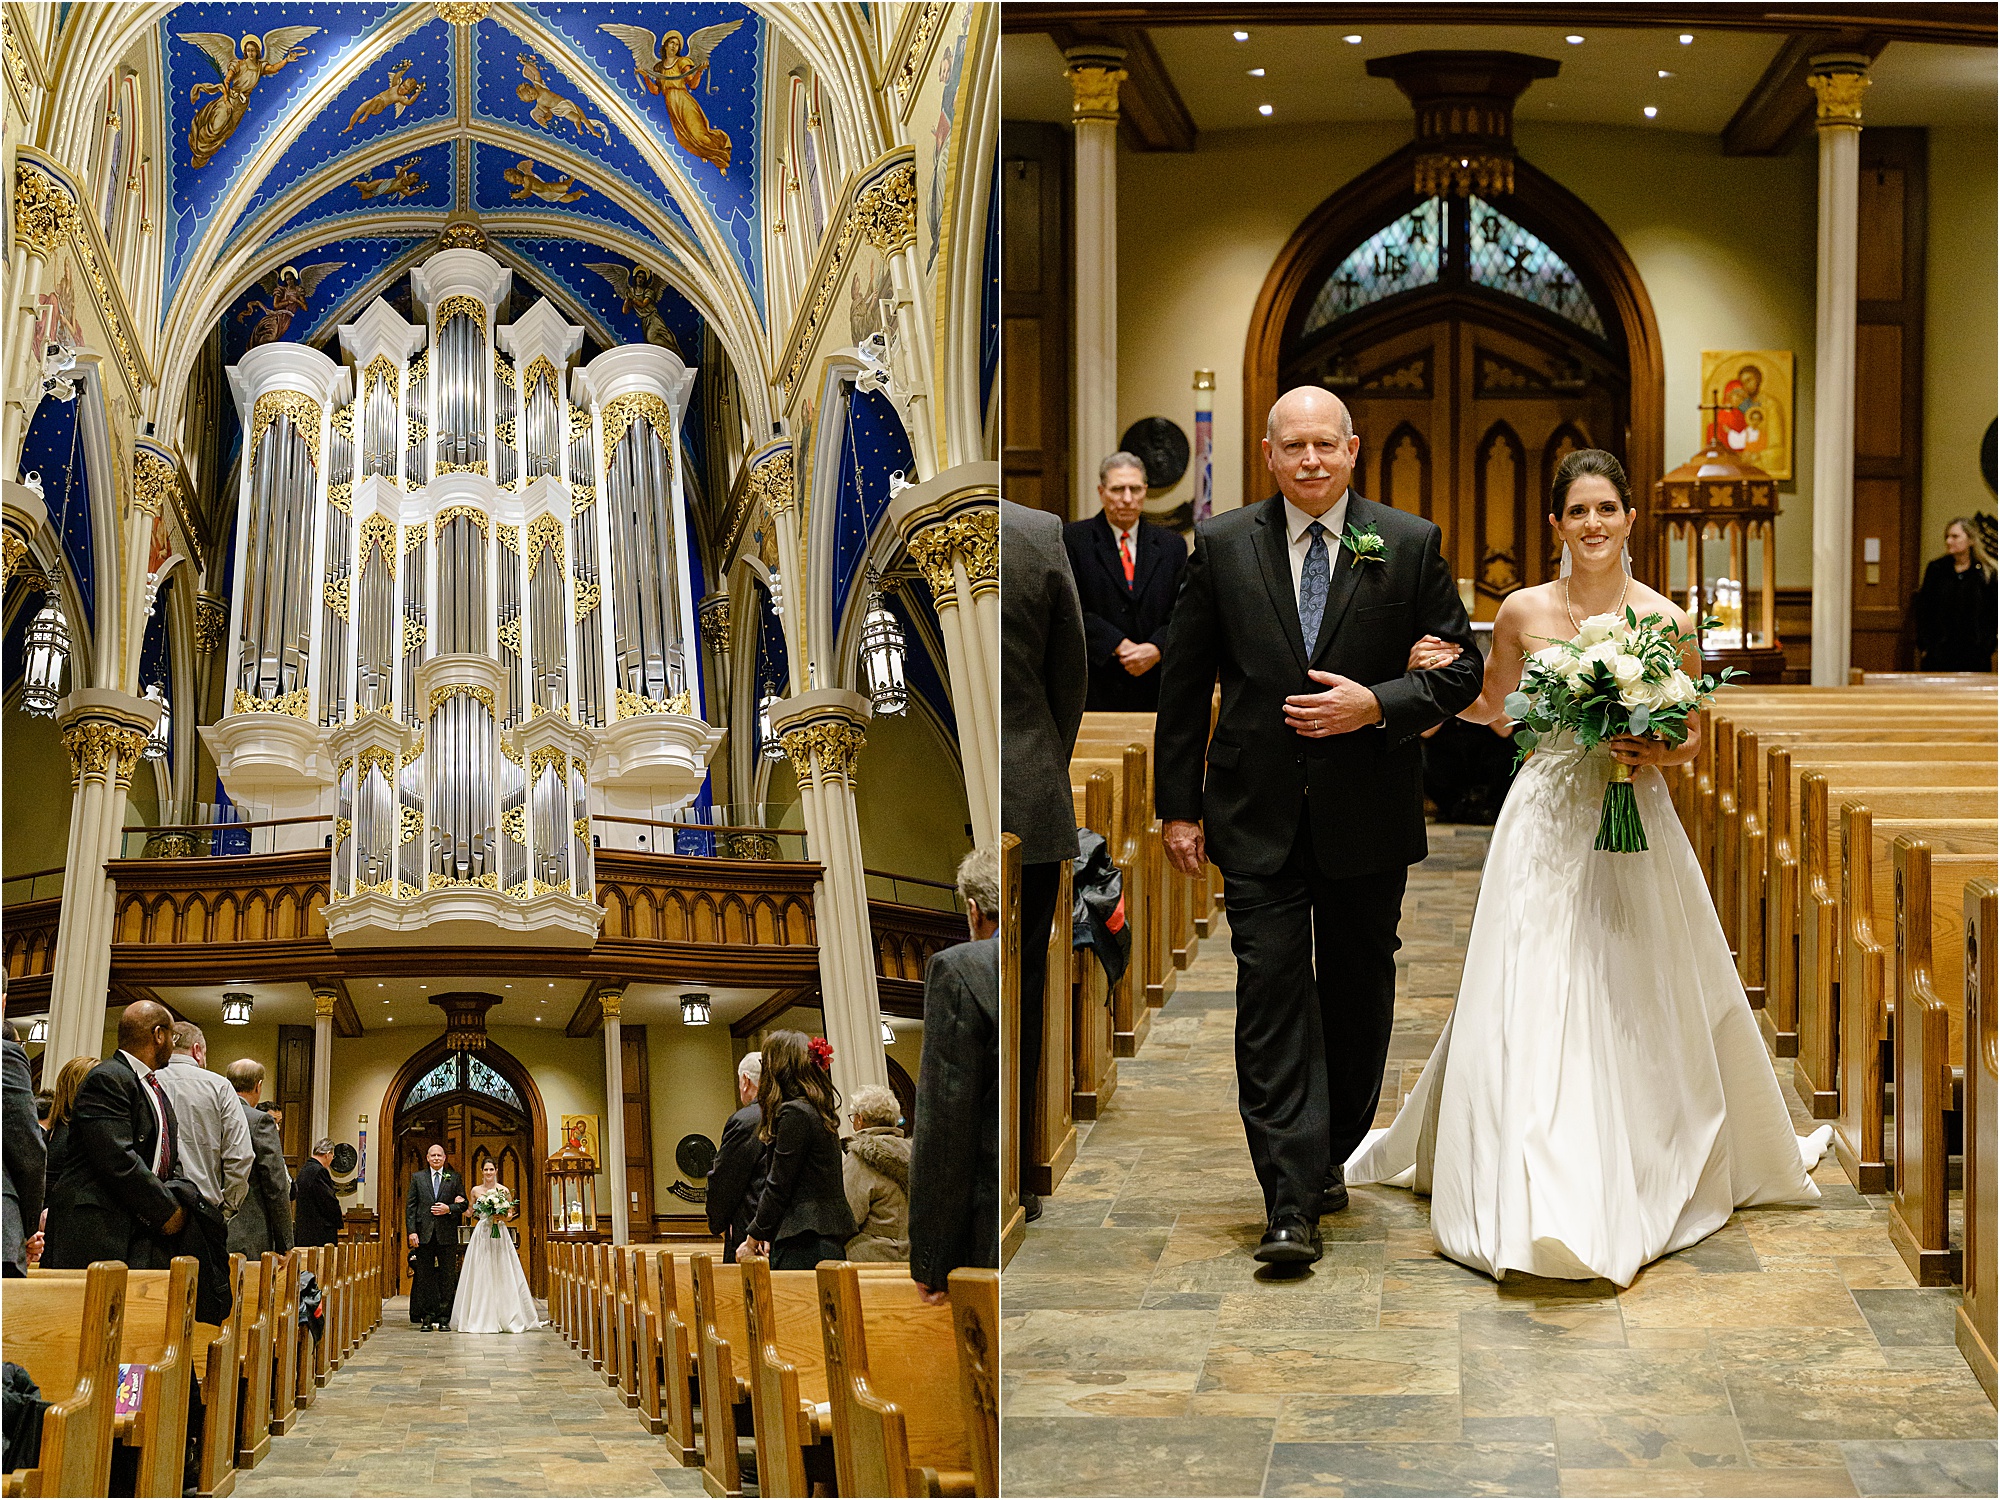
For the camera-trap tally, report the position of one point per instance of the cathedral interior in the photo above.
(500, 558)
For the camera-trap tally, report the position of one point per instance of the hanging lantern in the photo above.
(888, 1033)
(236, 1009)
(47, 651)
(882, 658)
(777, 594)
(38, 1031)
(156, 742)
(773, 748)
(694, 1010)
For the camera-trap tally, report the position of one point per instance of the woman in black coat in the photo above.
(802, 1218)
(1956, 607)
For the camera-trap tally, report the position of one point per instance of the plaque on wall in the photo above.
(1161, 446)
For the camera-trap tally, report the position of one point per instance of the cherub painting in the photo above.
(550, 105)
(262, 56)
(673, 74)
(290, 290)
(564, 189)
(400, 94)
(639, 292)
(404, 184)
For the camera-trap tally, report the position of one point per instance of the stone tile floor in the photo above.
(1788, 1354)
(448, 1414)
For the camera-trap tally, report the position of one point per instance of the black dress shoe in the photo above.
(1333, 1196)
(1031, 1205)
(1290, 1241)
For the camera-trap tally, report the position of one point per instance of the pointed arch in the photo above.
(1500, 501)
(1404, 471)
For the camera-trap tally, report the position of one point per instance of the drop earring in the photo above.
(1564, 569)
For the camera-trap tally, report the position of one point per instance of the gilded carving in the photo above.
(211, 623)
(621, 412)
(413, 537)
(836, 746)
(341, 498)
(415, 633)
(44, 216)
(920, 39)
(411, 823)
(343, 829)
(301, 408)
(335, 594)
(510, 537)
(471, 307)
(635, 705)
(17, 65)
(610, 1002)
(455, 689)
(488, 881)
(581, 498)
(153, 479)
(477, 466)
(579, 423)
(503, 371)
(462, 235)
(1839, 96)
(514, 823)
(588, 597)
(291, 704)
(379, 532)
(713, 616)
(771, 482)
(972, 537)
(450, 513)
(544, 532)
(1094, 90)
(13, 547)
(886, 212)
(324, 1002)
(547, 758)
(510, 634)
(375, 758)
(98, 748)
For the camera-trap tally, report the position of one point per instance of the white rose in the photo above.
(1552, 659)
(1647, 694)
(1602, 651)
(1628, 672)
(1681, 689)
(1599, 628)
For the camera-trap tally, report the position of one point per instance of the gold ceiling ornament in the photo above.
(211, 623)
(98, 747)
(380, 532)
(712, 614)
(771, 482)
(45, 215)
(303, 411)
(456, 689)
(588, 597)
(463, 12)
(410, 824)
(545, 532)
(153, 480)
(451, 513)
(292, 705)
(886, 211)
(381, 366)
(13, 547)
(471, 307)
(622, 411)
(1093, 87)
(835, 745)
(335, 592)
(1839, 93)
(462, 234)
(920, 40)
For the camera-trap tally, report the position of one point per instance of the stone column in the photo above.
(610, 1001)
(1094, 74)
(713, 613)
(105, 732)
(771, 481)
(886, 212)
(1839, 79)
(322, 1098)
(823, 734)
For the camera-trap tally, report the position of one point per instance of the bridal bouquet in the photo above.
(490, 1207)
(1621, 675)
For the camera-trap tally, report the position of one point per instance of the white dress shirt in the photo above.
(159, 1111)
(214, 1141)
(1297, 523)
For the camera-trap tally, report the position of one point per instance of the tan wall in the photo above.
(694, 1093)
(1725, 247)
(1959, 362)
(34, 829)
(910, 800)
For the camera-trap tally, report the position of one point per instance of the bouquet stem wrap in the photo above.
(1619, 831)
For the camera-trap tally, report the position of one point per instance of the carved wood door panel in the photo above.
(472, 1131)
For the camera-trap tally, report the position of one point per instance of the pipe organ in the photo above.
(463, 619)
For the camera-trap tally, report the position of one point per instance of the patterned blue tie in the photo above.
(1312, 586)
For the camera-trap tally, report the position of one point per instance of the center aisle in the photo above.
(1788, 1354)
(449, 1414)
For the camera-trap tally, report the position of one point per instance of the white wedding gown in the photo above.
(1601, 1095)
(493, 1295)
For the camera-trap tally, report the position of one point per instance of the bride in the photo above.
(1601, 1095)
(493, 1295)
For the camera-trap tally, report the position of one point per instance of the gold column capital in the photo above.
(771, 481)
(211, 623)
(972, 537)
(102, 748)
(324, 1000)
(886, 211)
(13, 547)
(610, 1001)
(825, 751)
(44, 211)
(1839, 83)
(1093, 84)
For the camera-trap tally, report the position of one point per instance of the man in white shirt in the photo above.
(215, 1149)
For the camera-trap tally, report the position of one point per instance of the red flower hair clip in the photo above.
(821, 1050)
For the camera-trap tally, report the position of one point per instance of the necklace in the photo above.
(1615, 609)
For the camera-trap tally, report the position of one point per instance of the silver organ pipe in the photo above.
(549, 636)
(583, 478)
(543, 425)
(337, 607)
(416, 643)
(506, 455)
(381, 441)
(277, 598)
(463, 610)
(461, 437)
(376, 636)
(416, 397)
(509, 621)
(647, 623)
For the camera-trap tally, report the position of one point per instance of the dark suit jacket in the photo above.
(316, 1220)
(955, 1152)
(803, 1192)
(26, 1154)
(1043, 681)
(1238, 620)
(1113, 612)
(264, 1222)
(108, 1205)
(736, 1181)
(417, 1216)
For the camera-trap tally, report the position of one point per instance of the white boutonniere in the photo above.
(1366, 544)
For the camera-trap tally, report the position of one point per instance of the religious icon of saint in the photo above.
(673, 73)
(290, 290)
(262, 56)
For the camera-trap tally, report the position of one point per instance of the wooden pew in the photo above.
(1093, 1023)
(619, 1323)
(1141, 855)
(1928, 1060)
(257, 1294)
(892, 1380)
(1190, 897)
(218, 1370)
(312, 1262)
(648, 1333)
(1052, 1147)
(787, 1377)
(975, 1316)
(1975, 1330)
(67, 1332)
(285, 1335)
(1013, 1218)
(678, 1365)
(1858, 678)
(722, 1345)
(1867, 916)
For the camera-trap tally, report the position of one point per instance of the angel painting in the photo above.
(639, 293)
(550, 105)
(564, 189)
(400, 94)
(262, 56)
(673, 74)
(404, 184)
(290, 289)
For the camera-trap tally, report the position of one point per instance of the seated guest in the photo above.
(1128, 572)
(736, 1181)
(24, 1154)
(955, 1158)
(802, 1216)
(112, 1201)
(214, 1139)
(876, 1175)
(264, 1222)
(316, 1220)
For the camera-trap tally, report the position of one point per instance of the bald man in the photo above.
(1319, 613)
(111, 1202)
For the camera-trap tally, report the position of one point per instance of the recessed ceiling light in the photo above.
(552, 984)
(388, 1018)
(1651, 111)
(1241, 36)
(1263, 109)
(1574, 40)
(1665, 74)
(379, 984)
(1256, 72)
(1687, 38)
(1352, 41)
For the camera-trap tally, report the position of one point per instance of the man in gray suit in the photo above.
(264, 1222)
(1044, 678)
(26, 1156)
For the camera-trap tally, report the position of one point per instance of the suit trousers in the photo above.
(435, 1280)
(1315, 1004)
(1040, 884)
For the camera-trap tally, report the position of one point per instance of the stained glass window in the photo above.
(1394, 259)
(484, 1080)
(440, 1080)
(462, 1071)
(1505, 257)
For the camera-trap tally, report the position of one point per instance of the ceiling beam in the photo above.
(346, 1019)
(589, 1013)
(1778, 111)
(749, 1024)
(1152, 116)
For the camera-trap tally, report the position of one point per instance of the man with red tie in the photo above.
(112, 1202)
(1128, 572)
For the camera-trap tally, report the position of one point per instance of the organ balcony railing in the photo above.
(463, 617)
